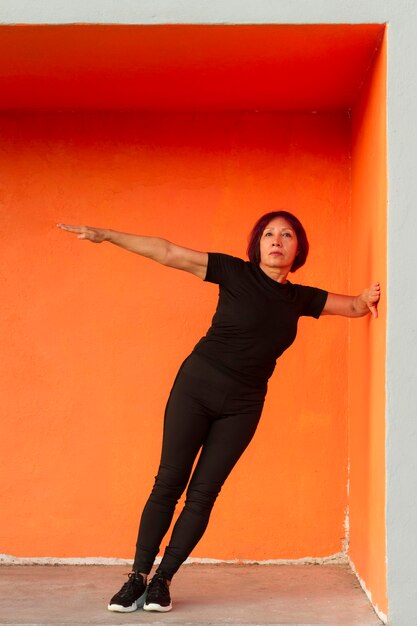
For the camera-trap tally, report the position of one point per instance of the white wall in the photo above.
(199, 11)
(402, 214)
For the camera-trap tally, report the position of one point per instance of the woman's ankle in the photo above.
(144, 576)
(164, 576)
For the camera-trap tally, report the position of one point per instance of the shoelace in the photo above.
(128, 586)
(158, 586)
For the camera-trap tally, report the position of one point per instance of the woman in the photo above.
(218, 395)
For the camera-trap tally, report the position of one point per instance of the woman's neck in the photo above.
(279, 276)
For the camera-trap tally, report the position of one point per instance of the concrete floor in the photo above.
(306, 595)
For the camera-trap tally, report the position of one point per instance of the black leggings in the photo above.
(209, 410)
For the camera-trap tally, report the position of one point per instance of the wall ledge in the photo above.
(8, 559)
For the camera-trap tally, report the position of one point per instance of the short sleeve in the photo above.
(223, 269)
(313, 301)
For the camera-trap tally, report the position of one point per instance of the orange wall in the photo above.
(93, 335)
(367, 339)
(184, 67)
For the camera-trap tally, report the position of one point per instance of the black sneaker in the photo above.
(131, 596)
(157, 596)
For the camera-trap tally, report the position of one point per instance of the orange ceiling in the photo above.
(185, 67)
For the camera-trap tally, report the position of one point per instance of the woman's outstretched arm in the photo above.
(354, 306)
(155, 248)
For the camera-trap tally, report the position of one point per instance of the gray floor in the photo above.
(201, 594)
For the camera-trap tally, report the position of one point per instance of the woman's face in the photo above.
(278, 246)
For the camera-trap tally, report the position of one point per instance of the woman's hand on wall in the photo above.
(370, 297)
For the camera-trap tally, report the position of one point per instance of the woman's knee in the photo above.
(169, 484)
(201, 497)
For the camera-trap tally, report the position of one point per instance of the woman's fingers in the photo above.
(72, 229)
(83, 231)
(96, 235)
(373, 298)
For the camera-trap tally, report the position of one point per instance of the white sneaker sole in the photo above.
(157, 607)
(119, 608)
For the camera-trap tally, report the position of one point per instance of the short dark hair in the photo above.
(254, 252)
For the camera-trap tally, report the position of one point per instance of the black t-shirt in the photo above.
(255, 320)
